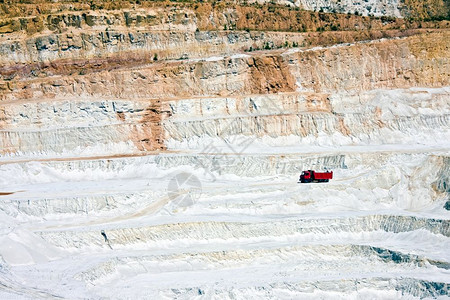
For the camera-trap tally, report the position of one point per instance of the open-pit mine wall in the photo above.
(104, 105)
(354, 93)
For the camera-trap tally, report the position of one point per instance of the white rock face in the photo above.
(70, 127)
(362, 7)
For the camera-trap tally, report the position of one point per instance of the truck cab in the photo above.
(306, 176)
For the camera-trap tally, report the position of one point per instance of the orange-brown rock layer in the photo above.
(82, 53)
(59, 17)
(421, 60)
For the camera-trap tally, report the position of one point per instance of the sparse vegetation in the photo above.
(34, 16)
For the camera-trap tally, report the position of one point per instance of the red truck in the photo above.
(313, 176)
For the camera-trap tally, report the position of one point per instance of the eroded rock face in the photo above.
(377, 8)
(313, 75)
(81, 125)
(417, 61)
